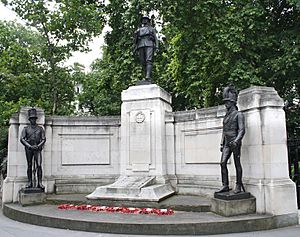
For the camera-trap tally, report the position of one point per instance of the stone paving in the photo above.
(191, 216)
(176, 220)
(11, 228)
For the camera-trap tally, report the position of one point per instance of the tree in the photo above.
(205, 46)
(101, 91)
(118, 69)
(20, 70)
(245, 42)
(20, 74)
(214, 43)
(66, 26)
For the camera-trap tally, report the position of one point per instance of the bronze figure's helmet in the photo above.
(230, 94)
(32, 113)
(145, 17)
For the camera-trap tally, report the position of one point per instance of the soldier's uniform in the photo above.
(145, 43)
(233, 132)
(33, 138)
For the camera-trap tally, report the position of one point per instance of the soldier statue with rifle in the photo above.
(233, 132)
(33, 138)
(145, 43)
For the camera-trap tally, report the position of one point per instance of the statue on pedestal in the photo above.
(146, 43)
(33, 138)
(233, 132)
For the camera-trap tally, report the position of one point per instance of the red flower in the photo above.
(129, 210)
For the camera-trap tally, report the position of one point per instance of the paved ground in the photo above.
(10, 228)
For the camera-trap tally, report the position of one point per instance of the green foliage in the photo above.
(118, 69)
(19, 72)
(99, 89)
(205, 45)
(66, 26)
(24, 77)
(19, 69)
(3, 150)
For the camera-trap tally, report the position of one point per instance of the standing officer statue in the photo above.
(146, 42)
(233, 132)
(33, 138)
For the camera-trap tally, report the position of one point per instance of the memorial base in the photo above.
(143, 82)
(133, 188)
(231, 204)
(31, 196)
(232, 196)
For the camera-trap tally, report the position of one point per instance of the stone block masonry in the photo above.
(180, 149)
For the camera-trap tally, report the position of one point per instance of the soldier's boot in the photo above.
(239, 184)
(225, 188)
(29, 176)
(225, 181)
(239, 188)
(39, 176)
(148, 72)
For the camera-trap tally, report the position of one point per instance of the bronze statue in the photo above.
(233, 132)
(145, 43)
(33, 138)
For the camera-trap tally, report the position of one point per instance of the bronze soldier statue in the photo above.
(33, 138)
(233, 132)
(146, 42)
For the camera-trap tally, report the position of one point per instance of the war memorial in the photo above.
(153, 157)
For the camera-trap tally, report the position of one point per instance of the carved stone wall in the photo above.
(182, 148)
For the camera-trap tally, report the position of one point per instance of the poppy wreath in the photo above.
(127, 210)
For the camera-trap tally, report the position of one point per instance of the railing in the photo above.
(294, 163)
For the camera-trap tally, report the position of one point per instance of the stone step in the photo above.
(86, 185)
(75, 188)
(176, 202)
(180, 223)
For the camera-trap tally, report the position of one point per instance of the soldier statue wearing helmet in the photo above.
(233, 132)
(33, 138)
(146, 42)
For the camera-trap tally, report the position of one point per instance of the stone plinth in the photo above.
(32, 196)
(264, 152)
(232, 196)
(230, 204)
(143, 131)
(143, 163)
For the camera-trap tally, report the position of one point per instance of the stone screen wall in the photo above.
(82, 153)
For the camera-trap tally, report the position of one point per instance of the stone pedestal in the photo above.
(264, 152)
(143, 131)
(230, 204)
(143, 165)
(232, 196)
(31, 196)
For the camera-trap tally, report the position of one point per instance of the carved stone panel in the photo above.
(85, 149)
(201, 146)
(140, 140)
